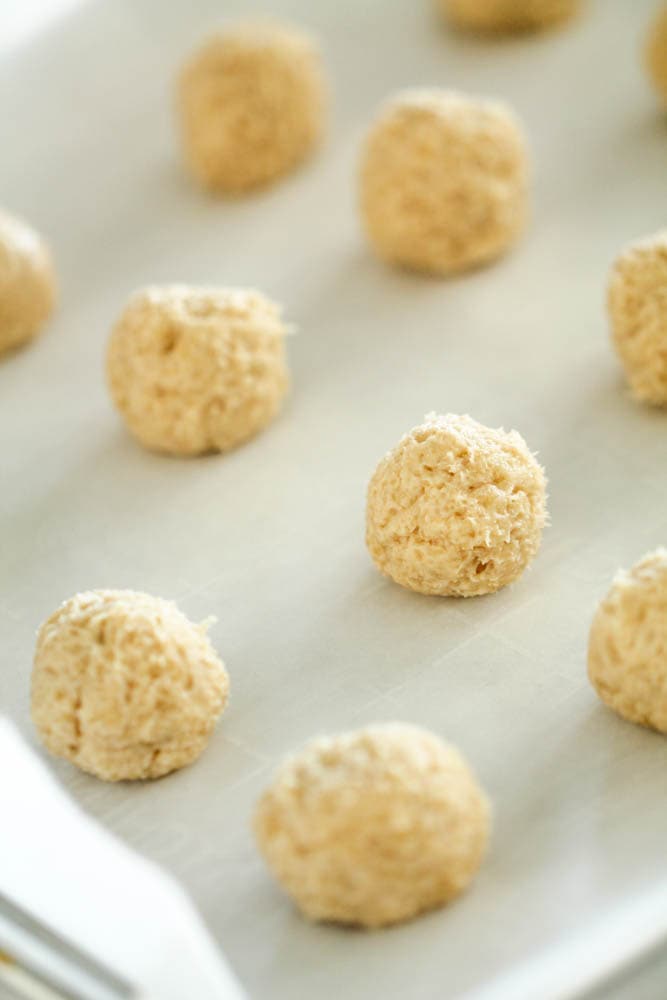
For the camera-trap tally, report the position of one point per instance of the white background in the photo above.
(270, 538)
(20, 20)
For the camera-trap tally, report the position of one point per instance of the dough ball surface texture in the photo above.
(252, 105)
(509, 15)
(27, 282)
(194, 370)
(456, 509)
(656, 53)
(637, 301)
(627, 647)
(124, 686)
(444, 181)
(373, 827)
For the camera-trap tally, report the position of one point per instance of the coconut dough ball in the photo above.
(27, 282)
(443, 181)
(456, 509)
(627, 647)
(373, 827)
(252, 105)
(124, 686)
(508, 15)
(195, 370)
(637, 301)
(656, 53)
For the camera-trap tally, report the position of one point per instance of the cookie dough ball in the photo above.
(252, 105)
(637, 301)
(124, 686)
(27, 283)
(373, 827)
(443, 181)
(627, 647)
(456, 509)
(656, 53)
(508, 15)
(195, 370)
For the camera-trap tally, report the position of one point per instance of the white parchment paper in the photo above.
(270, 539)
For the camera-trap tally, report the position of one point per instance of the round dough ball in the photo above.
(373, 827)
(637, 301)
(456, 509)
(27, 282)
(194, 370)
(656, 53)
(124, 686)
(627, 647)
(252, 105)
(508, 15)
(443, 181)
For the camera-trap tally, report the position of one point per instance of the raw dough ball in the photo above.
(656, 53)
(443, 181)
(124, 686)
(194, 370)
(27, 282)
(508, 15)
(638, 311)
(456, 508)
(627, 648)
(252, 105)
(374, 826)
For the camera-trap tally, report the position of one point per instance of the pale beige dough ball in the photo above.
(27, 282)
(456, 509)
(508, 15)
(124, 686)
(252, 105)
(373, 827)
(627, 647)
(443, 181)
(655, 53)
(637, 302)
(195, 370)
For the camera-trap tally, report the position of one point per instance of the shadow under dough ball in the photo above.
(373, 827)
(124, 686)
(196, 370)
(443, 181)
(627, 646)
(27, 283)
(508, 15)
(251, 104)
(637, 303)
(456, 509)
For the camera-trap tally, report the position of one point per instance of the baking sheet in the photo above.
(270, 538)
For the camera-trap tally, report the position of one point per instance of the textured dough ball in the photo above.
(194, 370)
(656, 53)
(124, 686)
(637, 301)
(443, 181)
(373, 827)
(508, 15)
(27, 282)
(456, 509)
(627, 647)
(252, 105)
